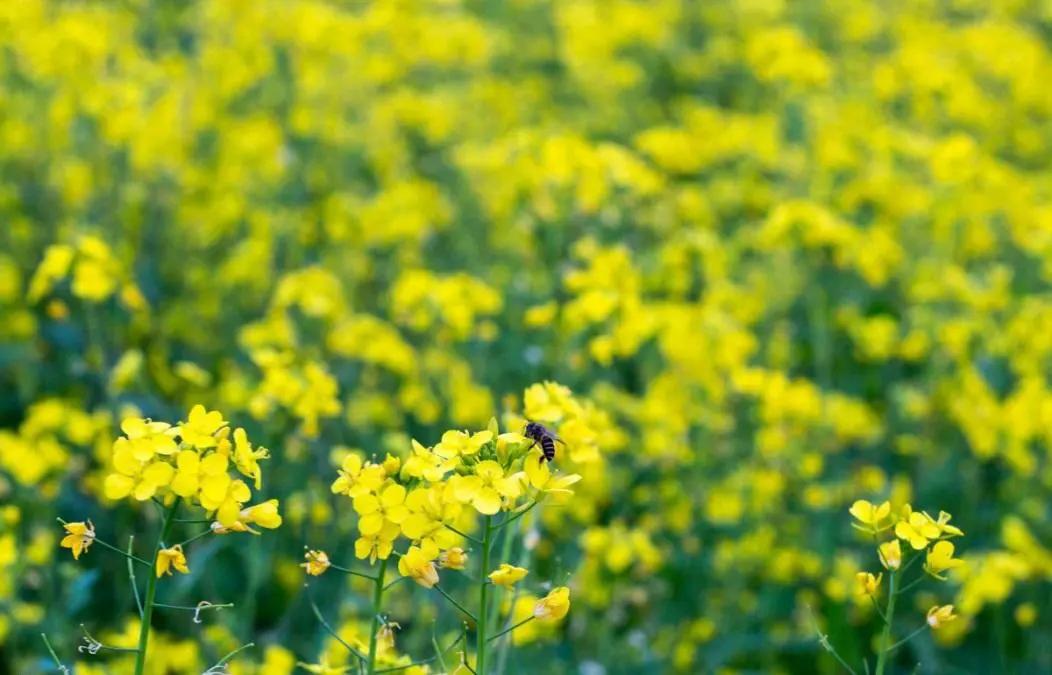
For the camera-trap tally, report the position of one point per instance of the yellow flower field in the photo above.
(522, 336)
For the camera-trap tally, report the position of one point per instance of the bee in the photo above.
(543, 436)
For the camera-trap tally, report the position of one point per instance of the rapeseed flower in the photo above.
(169, 558)
(79, 537)
(507, 575)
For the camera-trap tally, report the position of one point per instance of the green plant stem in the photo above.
(885, 638)
(907, 638)
(378, 596)
(456, 604)
(480, 626)
(348, 570)
(131, 575)
(151, 590)
(511, 628)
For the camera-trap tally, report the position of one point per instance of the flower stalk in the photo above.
(151, 590)
(480, 626)
(378, 596)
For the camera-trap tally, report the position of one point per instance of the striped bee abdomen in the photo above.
(548, 446)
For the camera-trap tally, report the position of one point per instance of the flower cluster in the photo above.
(192, 461)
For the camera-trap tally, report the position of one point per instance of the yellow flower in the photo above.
(429, 511)
(148, 438)
(869, 515)
(507, 575)
(133, 476)
(867, 583)
(541, 478)
(378, 545)
(219, 528)
(418, 565)
(890, 554)
(916, 528)
(265, 515)
(356, 477)
(460, 443)
(80, 536)
(430, 466)
(454, 559)
(553, 606)
(246, 459)
(940, 558)
(937, 616)
(227, 503)
(200, 427)
(391, 465)
(317, 563)
(487, 487)
(168, 558)
(193, 473)
(375, 510)
(943, 524)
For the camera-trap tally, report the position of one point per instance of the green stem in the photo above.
(480, 626)
(885, 638)
(907, 638)
(131, 575)
(456, 604)
(378, 596)
(151, 591)
(511, 628)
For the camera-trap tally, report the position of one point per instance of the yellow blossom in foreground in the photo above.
(460, 443)
(168, 558)
(916, 528)
(418, 565)
(264, 514)
(454, 559)
(867, 583)
(80, 536)
(937, 616)
(507, 575)
(890, 554)
(541, 478)
(487, 488)
(940, 558)
(869, 515)
(317, 563)
(201, 426)
(553, 606)
(377, 545)
(943, 523)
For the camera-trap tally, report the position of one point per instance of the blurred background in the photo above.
(794, 253)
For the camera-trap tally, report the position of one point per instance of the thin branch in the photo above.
(353, 572)
(196, 609)
(396, 581)
(456, 604)
(93, 646)
(117, 550)
(876, 606)
(131, 575)
(508, 630)
(464, 534)
(520, 514)
(329, 629)
(907, 638)
(195, 538)
(823, 640)
(909, 585)
(58, 663)
(219, 667)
